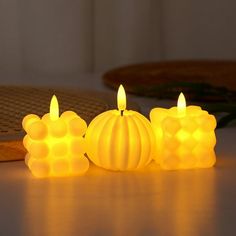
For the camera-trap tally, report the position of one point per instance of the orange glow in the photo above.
(54, 108)
(121, 98)
(120, 142)
(185, 137)
(55, 146)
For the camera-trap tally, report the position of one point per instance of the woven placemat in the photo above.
(16, 102)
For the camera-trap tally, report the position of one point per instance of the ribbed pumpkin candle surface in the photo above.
(120, 139)
(185, 136)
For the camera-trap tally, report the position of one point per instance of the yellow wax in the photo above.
(55, 145)
(120, 139)
(185, 137)
(120, 142)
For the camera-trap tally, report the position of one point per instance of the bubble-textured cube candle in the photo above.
(185, 136)
(55, 144)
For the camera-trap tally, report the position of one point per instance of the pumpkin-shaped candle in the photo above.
(120, 139)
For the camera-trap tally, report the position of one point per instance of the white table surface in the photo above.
(146, 202)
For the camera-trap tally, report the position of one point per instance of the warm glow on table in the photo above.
(185, 136)
(55, 144)
(120, 139)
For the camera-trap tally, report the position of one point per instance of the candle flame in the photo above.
(54, 108)
(121, 98)
(181, 104)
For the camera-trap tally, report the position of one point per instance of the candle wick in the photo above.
(122, 112)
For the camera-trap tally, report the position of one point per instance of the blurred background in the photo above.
(70, 38)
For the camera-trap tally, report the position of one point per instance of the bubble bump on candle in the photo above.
(55, 144)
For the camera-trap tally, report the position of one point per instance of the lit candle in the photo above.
(55, 144)
(120, 139)
(185, 136)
